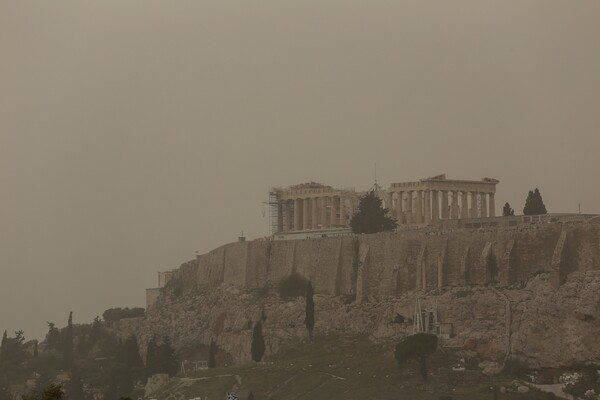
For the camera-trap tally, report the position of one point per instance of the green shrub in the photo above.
(292, 286)
(516, 368)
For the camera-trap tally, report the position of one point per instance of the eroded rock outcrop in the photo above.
(535, 322)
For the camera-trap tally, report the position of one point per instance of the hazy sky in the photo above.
(134, 133)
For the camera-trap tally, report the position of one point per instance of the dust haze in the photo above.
(136, 133)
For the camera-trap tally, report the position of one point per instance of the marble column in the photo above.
(323, 206)
(305, 214)
(288, 216)
(298, 214)
(409, 207)
(445, 204)
(435, 207)
(333, 214)
(464, 208)
(343, 212)
(399, 213)
(419, 213)
(474, 206)
(351, 207)
(484, 213)
(454, 207)
(492, 209)
(428, 207)
(314, 220)
(388, 202)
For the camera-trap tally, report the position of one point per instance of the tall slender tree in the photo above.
(309, 320)
(68, 344)
(257, 349)
(212, 352)
(167, 359)
(152, 357)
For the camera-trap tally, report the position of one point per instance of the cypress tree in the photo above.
(212, 352)
(68, 344)
(52, 337)
(167, 360)
(507, 211)
(257, 349)
(131, 353)
(534, 205)
(151, 358)
(309, 320)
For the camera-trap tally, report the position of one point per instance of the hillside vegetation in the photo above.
(340, 367)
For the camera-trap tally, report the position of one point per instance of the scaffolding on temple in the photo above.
(274, 208)
(277, 211)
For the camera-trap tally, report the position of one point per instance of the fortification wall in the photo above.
(390, 264)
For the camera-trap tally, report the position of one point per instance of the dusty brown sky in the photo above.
(133, 133)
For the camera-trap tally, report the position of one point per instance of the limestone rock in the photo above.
(523, 389)
(155, 382)
(535, 322)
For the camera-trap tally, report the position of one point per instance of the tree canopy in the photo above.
(534, 205)
(212, 353)
(418, 347)
(116, 314)
(161, 358)
(507, 211)
(371, 216)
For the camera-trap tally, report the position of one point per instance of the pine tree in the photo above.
(68, 344)
(371, 217)
(534, 205)
(12, 354)
(151, 358)
(309, 320)
(131, 353)
(257, 349)
(212, 352)
(507, 211)
(52, 337)
(167, 360)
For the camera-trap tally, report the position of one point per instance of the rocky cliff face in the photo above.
(533, 321)
(530, 292)
(396, 264)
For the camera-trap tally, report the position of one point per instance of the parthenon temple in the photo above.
(314, 206)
